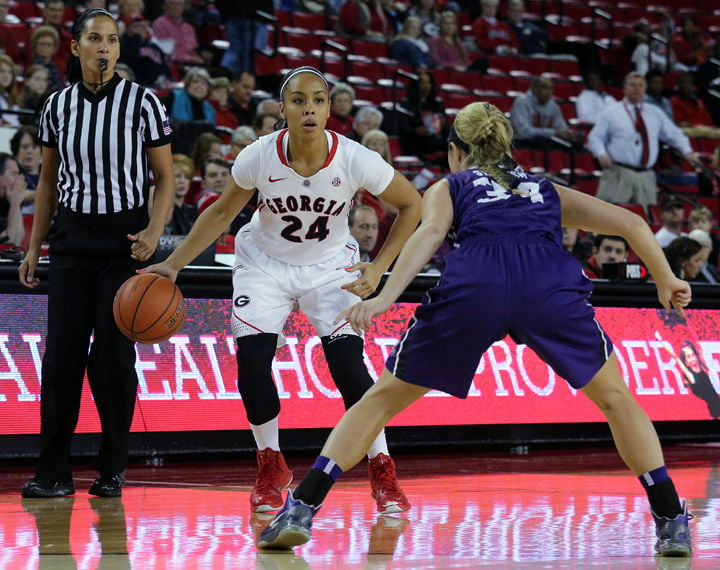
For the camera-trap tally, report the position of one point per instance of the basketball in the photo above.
(148, 308)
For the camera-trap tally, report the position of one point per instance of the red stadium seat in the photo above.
(300, 38)
(369, 49)
(499, 83)
(308, 21)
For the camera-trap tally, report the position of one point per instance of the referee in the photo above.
(100, 137)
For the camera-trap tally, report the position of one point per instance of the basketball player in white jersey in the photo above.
(298, 247)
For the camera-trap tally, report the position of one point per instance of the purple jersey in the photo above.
(484, 207)
(508, 275)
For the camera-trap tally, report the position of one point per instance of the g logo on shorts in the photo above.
(241, 301)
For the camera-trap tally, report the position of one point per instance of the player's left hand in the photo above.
(144, 244)
(368, 281)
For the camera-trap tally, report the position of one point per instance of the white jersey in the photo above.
(299, 220)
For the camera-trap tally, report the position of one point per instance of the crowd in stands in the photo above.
(641, 127)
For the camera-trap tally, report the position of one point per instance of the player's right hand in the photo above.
(676, 293)
(164, 269)
(360, 315)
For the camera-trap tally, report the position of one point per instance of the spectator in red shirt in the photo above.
(691, 48)
(607, 249)
(688, 108)
(53, 15)
(219, 99)
(364, 19)
(492, 35)
(342, 97)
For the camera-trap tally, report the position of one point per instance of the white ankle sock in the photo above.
(267, 434)
(378, 446)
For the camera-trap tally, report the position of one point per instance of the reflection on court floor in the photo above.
(561, 519)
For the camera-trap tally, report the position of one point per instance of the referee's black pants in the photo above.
(82, 287)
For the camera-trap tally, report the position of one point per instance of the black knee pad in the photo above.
(254, 356)
(344, 355)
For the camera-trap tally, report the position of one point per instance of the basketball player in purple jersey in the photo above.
(508, 274)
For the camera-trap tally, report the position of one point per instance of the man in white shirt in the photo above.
(592, 100)
(626, 142)
(672, 214)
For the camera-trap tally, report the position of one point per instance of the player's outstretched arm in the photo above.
(206, 229)
(588, 213)
(437, 215)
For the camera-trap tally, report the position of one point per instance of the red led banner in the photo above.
(189, 381)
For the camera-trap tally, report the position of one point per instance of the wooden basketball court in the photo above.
(544, 509)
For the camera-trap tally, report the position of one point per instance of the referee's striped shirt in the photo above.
(102, 140)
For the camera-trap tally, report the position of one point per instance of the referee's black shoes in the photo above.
(39, 488)
(108, 486)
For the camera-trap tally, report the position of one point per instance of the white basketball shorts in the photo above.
(266, 289)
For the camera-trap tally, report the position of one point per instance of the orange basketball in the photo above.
(149, 308)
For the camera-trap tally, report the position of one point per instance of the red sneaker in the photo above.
(273, 476)
(385, 487)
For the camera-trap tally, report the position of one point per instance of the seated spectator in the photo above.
(578, 246)
(690, 46)
(178, 33)
(53, 15)
(376, 140)
(44, 42)
(241, 138)
(242, 103)
(364, 227)
(264, 124)
(269, 106)
(25, 146)
(126, 8)
(424, 132)
(701, 218)
(709, 272)
(394, 12)
(215, 173)
(366, 119)
(533, 38)
(363, 19)
(655, 92)
(190, 103)
(688, 108)
(218, 98)
(34, 92)
(409, 47)
(12, 193)
(428, 14)
(606, 249)
(8, 94)
(593, 99)
(536, 117)
(205, 147)
(342, 97)
(447, 48)
(492, 35)
(647, 54)
(183, 215)
(142, 54)
(125, 71)
(672, 216)
(685, 257)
